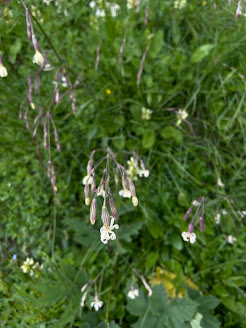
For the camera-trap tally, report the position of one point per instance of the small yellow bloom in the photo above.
(204, 3)
(108, 92)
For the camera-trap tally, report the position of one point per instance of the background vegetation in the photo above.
(196, 62)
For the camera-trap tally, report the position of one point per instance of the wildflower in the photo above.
(64, 82)
(143, 173)
(146, 113)
(132, 4)
(189, 237)
(88, 179)
(3, 70)
(125, 193)
(108, 92)
(101, 192)
(14, 257)
(27, 265)
(179, 4)
(100, 13)
(92, 4)
(195, 203)
(220, 183)
(217, 218)
(133, 293)
(230, 239)
(97, 304)
(224, 212)
(82, 304)
(182, 115)
(204, 3)
(107, 231)
(38, 58)
(114, 8)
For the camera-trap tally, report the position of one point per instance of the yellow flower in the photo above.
(204, 3)
(108, 92)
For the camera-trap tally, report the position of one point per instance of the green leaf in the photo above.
(151, 259)
(180, 311)
(201, 52)
(14, 49)
(155, 229)
(176, 241)
(156, 44)
(148, 139)
(159, 300)
(171, 133)
(128, 230)
(137, 306)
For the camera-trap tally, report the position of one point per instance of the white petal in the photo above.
(112, 223)
(116, 226)
(113, 235)
(185, 236)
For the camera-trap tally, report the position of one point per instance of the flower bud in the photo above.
(93, 185)
(187, 213)
(3, 71)
(89, 166)
(113, 207)
(87, 194)
(135, 201)
(124, 183)
(93, 211)
(132, 188)
(201, 223)
(191, 227)
(38, 58)
(105, 216)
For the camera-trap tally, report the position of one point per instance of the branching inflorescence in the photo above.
(104, 190)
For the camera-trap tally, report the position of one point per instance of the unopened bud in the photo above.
(113, 207)
(132, 188)
(89, 166)
(87, 194)
(201, 223)
(187, 213)
(124, 183)
(105, 216)
(135, 201)
(191, 227)
(93, 185)
(93, 211)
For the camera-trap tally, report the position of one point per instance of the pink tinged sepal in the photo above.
(201, 223)
(187, 213)
(191, 227)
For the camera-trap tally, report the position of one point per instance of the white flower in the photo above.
(195, 203)
(64, 82)
(242, 213)
(125, 193)
(114, 7)
(101, 192)
(133, 293)
(83, 299)
(3, 71)
(224, 212)
(92, 4)
(132, 4)
(220, 183)
(38, 58)
(48, 67)
(28, 263)
(47, 2)
(87, 179)
(143, 173)
(179, 4)
(182, 115)
(230, 239)
(107, 231)
(217, 218)
(96, 303)
(189, 236)
(100, 13)
(146, 113)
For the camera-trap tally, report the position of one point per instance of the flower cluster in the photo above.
(103, 189)
(146, 113)
(135, 168)
(31, 267)
(190, 236)
(181, 116)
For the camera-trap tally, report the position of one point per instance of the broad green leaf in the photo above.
(148, 139)
(138, 305)
(181, 311)
(159, 300)
(171, 133)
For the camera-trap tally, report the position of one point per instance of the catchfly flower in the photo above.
(107, 233)
(3, 71)
(189, 237)
(88, 179)
(181, 115)
(97, 304)
(230, 239)
(143, 173)
(133, 293)
(38, 58)
(125, 193)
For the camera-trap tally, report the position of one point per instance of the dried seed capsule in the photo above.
(105, 216)
(93, 211)
(112, 207)
(87, 194)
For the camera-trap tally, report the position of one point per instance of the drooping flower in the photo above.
(189, 237)
(181, 115)
(133, 293)
(38, 58)
(217, 218)
(143, 173)
(230, 239)
(107, 231)
(3, 71)
(125, 193)
(88, 179)
(97, 304)
(220, 183)
(195, 203)
(146, 113)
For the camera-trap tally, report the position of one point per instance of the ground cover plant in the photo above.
(122, 199)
